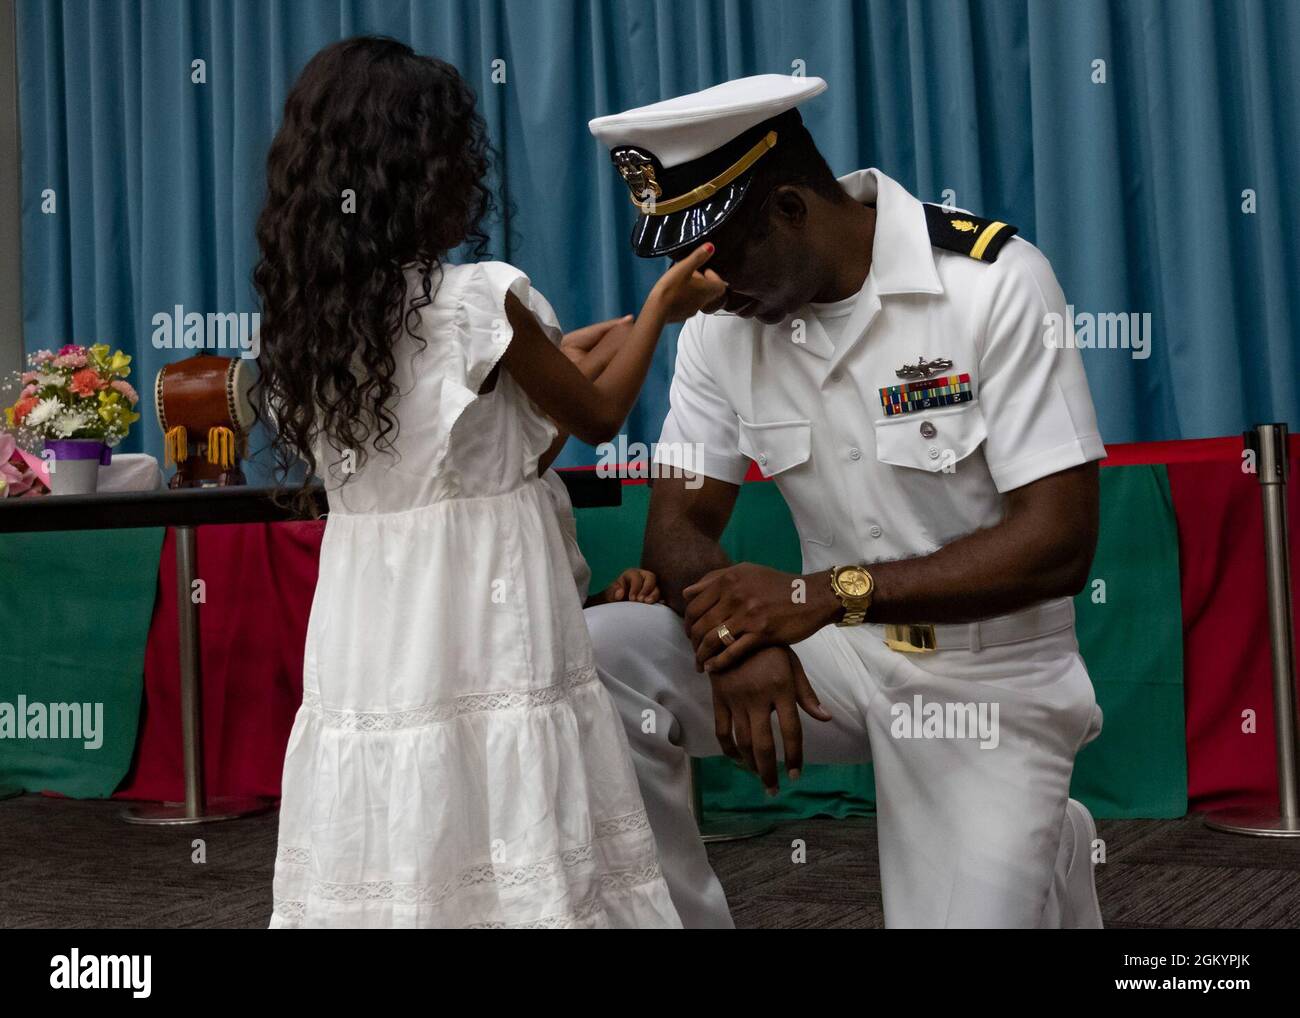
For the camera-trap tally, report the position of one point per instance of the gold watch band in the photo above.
(856, 600)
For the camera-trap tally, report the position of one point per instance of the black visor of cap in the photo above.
(655, 235)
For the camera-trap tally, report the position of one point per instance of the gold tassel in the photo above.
(221, 447)
(176, 445)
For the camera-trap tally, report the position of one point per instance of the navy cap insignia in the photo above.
(637, 169)
(923, 368)
(955, 230)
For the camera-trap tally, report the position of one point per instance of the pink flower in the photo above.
(17, 479)
(71, 348)
(29, 390)
(126, 390)
(41, 357)
(29, 377)
(87, 382)
(70, 360)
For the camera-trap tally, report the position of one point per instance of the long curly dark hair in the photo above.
(381, 162)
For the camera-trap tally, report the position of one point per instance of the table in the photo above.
(185, 510)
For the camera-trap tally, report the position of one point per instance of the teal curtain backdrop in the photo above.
(1129, 140)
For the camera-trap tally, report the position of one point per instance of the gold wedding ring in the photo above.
(724, 634)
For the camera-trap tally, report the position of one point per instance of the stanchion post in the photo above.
(197, 808)
(1268, 443)
(187, 619)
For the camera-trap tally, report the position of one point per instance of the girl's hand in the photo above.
(634, 585)
(688, 287)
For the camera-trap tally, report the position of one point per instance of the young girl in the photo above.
(456, 761)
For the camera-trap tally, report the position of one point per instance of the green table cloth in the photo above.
(75, 616)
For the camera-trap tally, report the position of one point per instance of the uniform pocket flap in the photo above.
(776, 447)
(930, 441)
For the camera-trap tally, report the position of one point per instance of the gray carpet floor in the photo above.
(67, 864)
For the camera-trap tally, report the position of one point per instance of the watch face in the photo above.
(853, 582)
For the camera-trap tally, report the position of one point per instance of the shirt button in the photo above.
(875, 531)
(934, 452)
(762, 459)
(928, 430)
(855, 454)
(836, 376)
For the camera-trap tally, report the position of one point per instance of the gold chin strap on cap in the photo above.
(706, 190)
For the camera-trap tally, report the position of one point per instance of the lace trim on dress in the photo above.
(449, 710)
(483, 873)
(297, 855)
(619, 882)
(292, 856)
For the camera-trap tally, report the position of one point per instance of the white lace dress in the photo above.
(456, 762)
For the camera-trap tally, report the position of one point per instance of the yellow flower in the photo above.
(120, 363)
(115, 412)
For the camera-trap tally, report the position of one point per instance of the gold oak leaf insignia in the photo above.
(965, 225)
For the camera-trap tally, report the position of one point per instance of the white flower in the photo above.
(44, 378)
(71, 421)
(43, 412)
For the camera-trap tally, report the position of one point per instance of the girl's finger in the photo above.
(695, 259)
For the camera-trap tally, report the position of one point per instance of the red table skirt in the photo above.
(1227, 662)
(260, 579)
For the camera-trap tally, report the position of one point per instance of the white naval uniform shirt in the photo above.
(861, 485)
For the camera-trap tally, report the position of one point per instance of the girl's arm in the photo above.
(591, 348)
(594, 411)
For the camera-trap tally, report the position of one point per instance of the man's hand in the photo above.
(743, 700)
(761, 607)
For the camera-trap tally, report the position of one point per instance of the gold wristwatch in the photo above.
(854, 586)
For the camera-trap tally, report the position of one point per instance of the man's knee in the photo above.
(629, 633)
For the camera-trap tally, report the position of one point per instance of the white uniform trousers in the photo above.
(975, 830)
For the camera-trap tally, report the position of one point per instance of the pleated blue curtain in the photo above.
(1127, 139)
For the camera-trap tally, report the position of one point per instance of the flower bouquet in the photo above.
(79, 402)
(21, 473)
